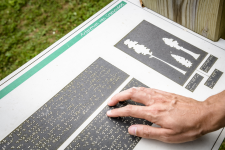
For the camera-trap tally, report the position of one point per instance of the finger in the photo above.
(129, 110)
(136, 94)
(150, 132)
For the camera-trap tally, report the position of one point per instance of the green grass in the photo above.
(30, 26)
(222, 147)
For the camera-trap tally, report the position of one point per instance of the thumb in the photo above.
(150, 132)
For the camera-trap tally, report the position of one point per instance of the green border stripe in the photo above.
(59, 51)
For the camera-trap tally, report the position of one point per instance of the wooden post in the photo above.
(206, 17)
(222, 26)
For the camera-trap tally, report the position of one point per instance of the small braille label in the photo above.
(208, 63)
(213, 79)
(192, 85)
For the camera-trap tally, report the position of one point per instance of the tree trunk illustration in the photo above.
(141, 49)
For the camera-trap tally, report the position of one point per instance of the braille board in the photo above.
(110, 133)
(56, 120)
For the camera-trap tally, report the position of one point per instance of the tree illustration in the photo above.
(182, 60)
(141, 49)
(175, 44)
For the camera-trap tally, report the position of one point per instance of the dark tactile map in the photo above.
(56, 120)
(162, 51)
(104, 133)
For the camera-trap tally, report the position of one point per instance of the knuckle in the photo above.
(148, 115)
(128, 109)
(146, 95)
(132, 91)
(166, 139)
(157, 97)
(173, 96)
(154, 112)
(146, 132)
(152, 115)
(153, 91)
(141, 88)
(146, 89)
(151, 101)
(151, 118)
(160, 98)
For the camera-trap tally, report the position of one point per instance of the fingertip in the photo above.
(109, 103)
(109, 113)
(133, 130)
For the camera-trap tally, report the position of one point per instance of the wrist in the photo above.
(214, 109)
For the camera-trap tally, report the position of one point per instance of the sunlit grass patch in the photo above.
(28, 27)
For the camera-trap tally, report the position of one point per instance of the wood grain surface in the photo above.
(206, 17)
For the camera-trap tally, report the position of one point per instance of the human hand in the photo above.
(181, 119)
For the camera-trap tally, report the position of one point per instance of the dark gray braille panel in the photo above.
(208, 63)
(194, 82)
(109, 133)
(213, 79)
(56, 120)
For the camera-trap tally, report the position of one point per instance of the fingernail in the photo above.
(133, 130)
(109, 112)
(135, 87)
(109, 102)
